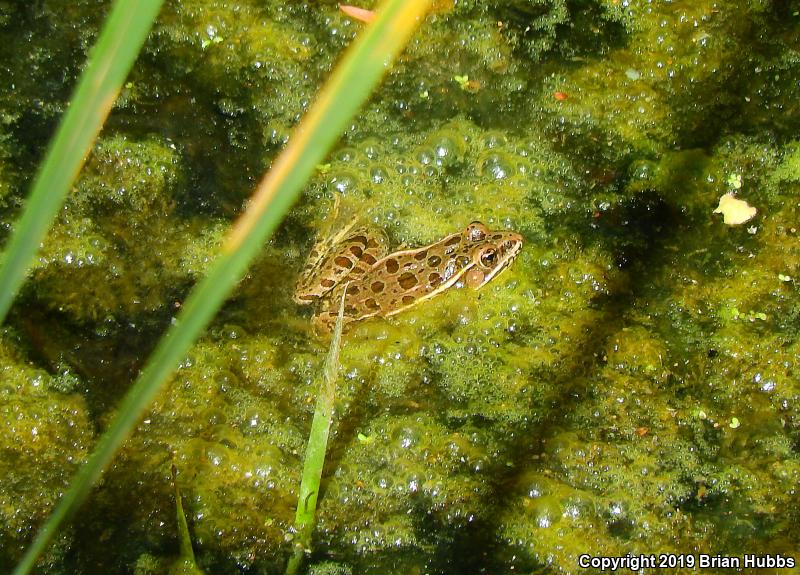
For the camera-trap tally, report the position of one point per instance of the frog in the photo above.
(356, 263)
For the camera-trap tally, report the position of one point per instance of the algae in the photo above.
(44, 419)
(629, 386)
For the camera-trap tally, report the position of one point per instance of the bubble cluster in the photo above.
(409, 463)
(42, 420)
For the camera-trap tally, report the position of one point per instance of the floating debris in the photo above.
(734, 181)
(358, 13)
(735, 211)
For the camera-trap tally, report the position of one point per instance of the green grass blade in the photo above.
(109, 63)
(315, 450)
(347, 89)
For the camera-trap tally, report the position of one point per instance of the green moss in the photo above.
(328, 568)
(627, 386)
(665, 86)
(238, 461)
(121, 224)
(7, 171)
(134, 178)
(415, 188)
(409, 463)
(789, 168)
(42, 424)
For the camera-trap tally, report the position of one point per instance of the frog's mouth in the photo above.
(508, 250)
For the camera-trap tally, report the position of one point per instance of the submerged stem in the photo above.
(186, 564)
(315, 451)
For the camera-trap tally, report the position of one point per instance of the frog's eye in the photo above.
(488, 257)
(476, 231)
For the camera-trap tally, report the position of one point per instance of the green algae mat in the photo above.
(629, 386)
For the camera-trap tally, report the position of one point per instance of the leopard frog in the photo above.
(379, 283)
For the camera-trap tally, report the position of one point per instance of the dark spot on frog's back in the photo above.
(377, 286)
(343, 262)
(356, 251)
(371, 304)
(408, 299)
(419, 256)
(392, 266)
(369, 259)
(360, 240)
(434, 261)
(327, 283)
(453, 241)
(353, 289)
(434, 279)
(407, 280)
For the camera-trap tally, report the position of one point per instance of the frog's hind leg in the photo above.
(349, 254)
(353, 255)
(311, 283)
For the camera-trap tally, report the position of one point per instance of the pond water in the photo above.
(628, 386)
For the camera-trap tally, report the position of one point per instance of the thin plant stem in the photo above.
(187, 564)
(316, 449)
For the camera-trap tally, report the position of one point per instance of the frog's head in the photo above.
(491, 253)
